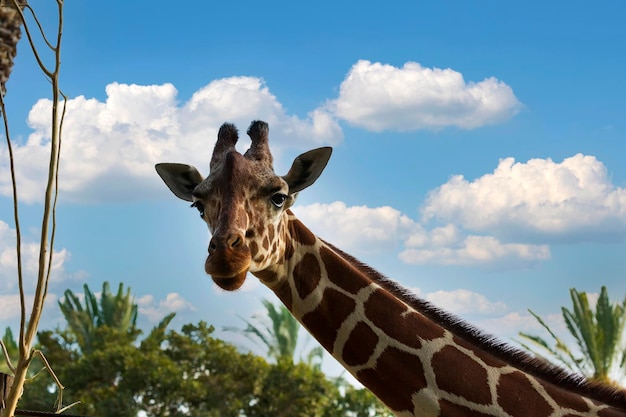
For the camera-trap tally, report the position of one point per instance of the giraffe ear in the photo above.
(180, 178)
(306, 168)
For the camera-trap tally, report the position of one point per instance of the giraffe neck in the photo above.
(418, 360)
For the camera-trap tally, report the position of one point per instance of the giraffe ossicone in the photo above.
(418, 360)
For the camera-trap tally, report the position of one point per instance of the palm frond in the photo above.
(598, 335)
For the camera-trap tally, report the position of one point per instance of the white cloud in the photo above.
(109, 148)
(510, 324)
(458, 249)
(30, 261)
(361, 229)
(156, 310)
(463, 301)
(539, 198)
(380, 96)
(357, 227)
(10, 308)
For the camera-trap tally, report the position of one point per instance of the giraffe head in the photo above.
(243, 201)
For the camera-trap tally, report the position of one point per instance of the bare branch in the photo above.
(7, 358)
(56, 195)
(43, 67)
(16, 218)
(57, 382)
(38, 23)
(28, 330)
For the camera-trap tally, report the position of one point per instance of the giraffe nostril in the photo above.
(235, 241)
(212, 246)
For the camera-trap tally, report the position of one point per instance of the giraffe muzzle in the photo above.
(228, 261)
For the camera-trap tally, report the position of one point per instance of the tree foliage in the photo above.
(598, 336)
(182, 373)
(115, 311)
(12, 350)
(277, 331)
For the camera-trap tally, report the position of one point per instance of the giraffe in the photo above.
(419, 360)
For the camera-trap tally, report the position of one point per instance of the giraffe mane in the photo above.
(537, 367)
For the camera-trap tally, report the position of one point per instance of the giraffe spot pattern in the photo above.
(469, 379)
(343, 273)
(397, 376)
(301, 234)
(487, 358)
(516, 396)
(254, 248)
(566, 399)
(283, 292)
(388, 313)
(289, 251)
(360, 345)
(448, 408)
(307, 275)
(266, 275)
(611, 412)
(326, 319)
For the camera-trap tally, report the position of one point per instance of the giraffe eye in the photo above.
(278, 199)
(199, 206)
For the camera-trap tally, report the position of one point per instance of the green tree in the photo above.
(180, 373)
(277, 331)
(598, 335)
(115, 311)
(95, 354)
(293, 390)
(194, 374)
(355, 402)
(12, 350)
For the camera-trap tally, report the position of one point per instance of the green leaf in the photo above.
(598, 335)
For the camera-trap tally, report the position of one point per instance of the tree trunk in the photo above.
(5, 386)
(10, 33)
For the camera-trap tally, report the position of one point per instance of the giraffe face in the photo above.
(243, 202)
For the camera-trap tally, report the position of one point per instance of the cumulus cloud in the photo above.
(464, 301)
(155, 310)
(540, 199)
(361, 229)
(506, 219)
(10, 307)
(380, 97)
(30, 261)
(510, 324)
(357, 227)
(110, 147)
(448, 245)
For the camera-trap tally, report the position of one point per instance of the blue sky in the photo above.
(478, 147)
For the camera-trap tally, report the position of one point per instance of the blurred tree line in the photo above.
(105, 363)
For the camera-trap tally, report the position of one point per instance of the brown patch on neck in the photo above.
(494, 352)
(360, 345)
(307, 275)
(459, 374)
(300, 233)
(396, 377)
(516, 396)
(450, 409)
(325, 320)
(393, 317)
(283, 292)
(342, 273)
